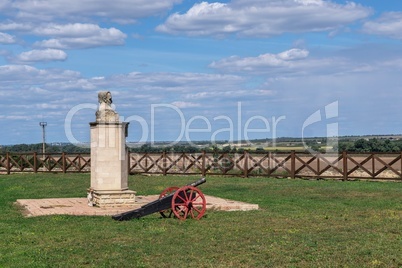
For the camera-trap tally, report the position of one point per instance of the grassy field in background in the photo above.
(300, 224)
(278, 148)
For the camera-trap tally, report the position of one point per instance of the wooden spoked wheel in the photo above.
(189, 201)
(167, 213)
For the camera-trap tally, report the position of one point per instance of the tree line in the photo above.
(349, 145)
(37, 147)
(145, 148)
(370, 145)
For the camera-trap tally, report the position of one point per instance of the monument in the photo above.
(109, 158)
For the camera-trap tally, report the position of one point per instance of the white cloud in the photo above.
(41, 55)
(25, 75)
(183, 104)
(78, 35)
(6, 38)
(310, 2)
(174, 81)
(15, 26)
(69, 30)
(287, 59)
(298, 62)
(235, 93)
(293, 54)
(263, 18)
(389, 24)
(67, 36)
(116, 10)
(11, 72)
(73, 84)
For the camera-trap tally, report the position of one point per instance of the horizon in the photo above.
(205, 142)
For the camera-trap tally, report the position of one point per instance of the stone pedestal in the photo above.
(109, 159)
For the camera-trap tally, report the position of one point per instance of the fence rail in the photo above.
(345, 166)
(34, 162)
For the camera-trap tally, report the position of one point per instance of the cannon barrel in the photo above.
(152, 207)
(196, 183)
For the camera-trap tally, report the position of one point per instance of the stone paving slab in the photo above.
(79, 206)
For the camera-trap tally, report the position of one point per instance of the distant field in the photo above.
(284, 148)
(297, 148)
(300, 224)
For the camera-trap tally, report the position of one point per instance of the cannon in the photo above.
(183, 202)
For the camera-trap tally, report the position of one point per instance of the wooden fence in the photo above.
(34, 162)
(345, 166)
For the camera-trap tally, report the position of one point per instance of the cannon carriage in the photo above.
(180, 202)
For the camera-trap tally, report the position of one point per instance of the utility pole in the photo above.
(43, 125)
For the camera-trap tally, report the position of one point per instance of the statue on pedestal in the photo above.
(109, 158)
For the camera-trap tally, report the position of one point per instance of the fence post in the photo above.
(372, 166)
(293, 164)
(183, 162)
(35, 163)
(401, 167)
(63, 159)
(164, 163)
(8, 163)
(146, 162)
(345, 165)
(203, 168)
(79, 163)
(269, 163)
(245, 171)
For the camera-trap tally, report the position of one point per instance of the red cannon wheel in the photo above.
(189, 200)
(167, 213)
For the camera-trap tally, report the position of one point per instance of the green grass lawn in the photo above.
(300, 224)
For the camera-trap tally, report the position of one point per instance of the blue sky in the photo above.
(186, 70)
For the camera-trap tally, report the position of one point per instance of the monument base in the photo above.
(113, 198)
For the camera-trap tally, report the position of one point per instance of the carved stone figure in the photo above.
(105, 112)
(105, 97)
